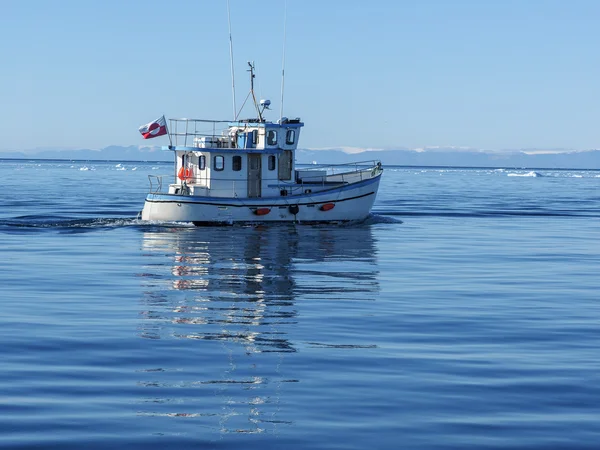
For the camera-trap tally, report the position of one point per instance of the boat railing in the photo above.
(155, 183)
(184, 131)
(346, 173)
(344, 167)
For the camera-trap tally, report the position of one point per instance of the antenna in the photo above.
(283, 59)
(231, 59)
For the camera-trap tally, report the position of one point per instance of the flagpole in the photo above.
(168, 133)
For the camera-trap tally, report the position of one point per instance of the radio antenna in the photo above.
(231, 59)
(283, 59)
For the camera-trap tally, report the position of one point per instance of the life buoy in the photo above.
(185, 174)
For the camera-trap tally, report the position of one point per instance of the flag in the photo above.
(154, 129)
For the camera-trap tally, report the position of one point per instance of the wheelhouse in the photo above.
(246, 159)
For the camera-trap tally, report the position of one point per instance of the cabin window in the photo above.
(290, 137)
(236, 163)
(255, 137)
(272, 162)
(272, 137)
(285, 165)
(202, 162)
(219, 162)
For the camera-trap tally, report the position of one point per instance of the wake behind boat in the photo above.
(245, 171)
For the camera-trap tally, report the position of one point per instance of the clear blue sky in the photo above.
(491, 74)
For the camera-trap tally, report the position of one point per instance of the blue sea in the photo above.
(463, 314)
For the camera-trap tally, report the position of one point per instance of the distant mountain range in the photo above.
(529, 158)
(111, 153)
(451, 156)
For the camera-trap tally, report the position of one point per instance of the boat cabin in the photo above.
(248, 159)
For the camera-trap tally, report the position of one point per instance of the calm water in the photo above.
(464, 314)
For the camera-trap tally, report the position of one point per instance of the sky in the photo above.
(377, 74)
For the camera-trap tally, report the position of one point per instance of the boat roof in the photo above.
(222, 150)
(284, 121)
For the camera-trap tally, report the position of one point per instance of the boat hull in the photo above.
(348, 203)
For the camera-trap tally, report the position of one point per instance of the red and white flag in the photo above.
(154, 129)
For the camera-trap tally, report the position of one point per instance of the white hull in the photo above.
(352, 202)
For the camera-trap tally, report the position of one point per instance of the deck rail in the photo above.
(184, 131)
(338, 169)
(155, 183)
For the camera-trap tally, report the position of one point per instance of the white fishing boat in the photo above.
(246, 171)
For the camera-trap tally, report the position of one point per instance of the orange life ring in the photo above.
(185, 174)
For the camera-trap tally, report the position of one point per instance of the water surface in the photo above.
(462, 314)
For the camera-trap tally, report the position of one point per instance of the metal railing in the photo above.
(156, 186)
(184, 131)
(348, 172)
(333, 169)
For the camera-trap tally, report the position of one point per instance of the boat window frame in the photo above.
(236, 163)
(201, 162)
(272, 162)
(216, 165)
(290, 136)
(271, 137)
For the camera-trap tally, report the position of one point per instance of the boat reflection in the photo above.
(226, 300)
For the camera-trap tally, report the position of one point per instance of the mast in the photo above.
(231, 59)
(258, 111)
(283, 59)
